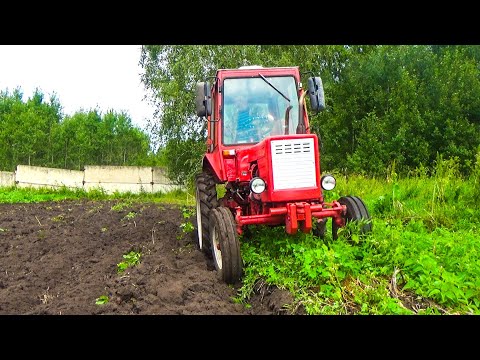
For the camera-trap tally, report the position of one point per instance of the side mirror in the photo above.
(315, 92)
(203, 101)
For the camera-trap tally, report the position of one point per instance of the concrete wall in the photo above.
(36, 176)
(161, 182)
(110, 179)
(133, 179)
(158, 176)
(7, 178)
(118, 174)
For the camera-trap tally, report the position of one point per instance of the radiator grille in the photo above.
(293, 163)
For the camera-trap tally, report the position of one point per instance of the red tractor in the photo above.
(260, 147)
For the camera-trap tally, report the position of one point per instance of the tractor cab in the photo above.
(254, 108)
(245, 106)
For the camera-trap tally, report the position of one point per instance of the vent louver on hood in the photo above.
(293, 163)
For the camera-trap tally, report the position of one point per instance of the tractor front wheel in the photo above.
(225, 245)
(356, 211)
(206, 200)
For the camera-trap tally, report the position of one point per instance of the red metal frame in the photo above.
(294, 216)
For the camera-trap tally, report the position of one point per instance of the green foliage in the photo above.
(405, 103)
(475, 176)
(171, 74)
(131, 259)
(102, 300)
(130, 216)
(187, 213)
(423, 250)
(13, 194)
(122, 205)
(186, 225)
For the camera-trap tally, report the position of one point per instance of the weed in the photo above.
(187, 226)
(187, 248)
(187, 212)
(130, 215)
(131, 259)
(58, 218)
(42, 234)
(121, 205)
(102, 300)
(46, 297)
(95, 209)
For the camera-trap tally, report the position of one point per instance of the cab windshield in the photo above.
(254, 109)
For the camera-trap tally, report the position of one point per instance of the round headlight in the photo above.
(328, 182)
(257, 185)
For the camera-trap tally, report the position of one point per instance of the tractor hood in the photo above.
(289, 165)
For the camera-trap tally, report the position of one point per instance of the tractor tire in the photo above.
(356, 210)
(206, 200)
(319, 227)
(364, 215)
(225, 245)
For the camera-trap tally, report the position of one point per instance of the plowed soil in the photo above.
(60, 257)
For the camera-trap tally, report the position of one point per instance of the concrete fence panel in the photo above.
(36, 176)
(7, 178)
(134, 179)
(118, 174)
(159, 177)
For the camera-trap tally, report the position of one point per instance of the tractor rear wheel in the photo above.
(356, 210)
(206, 200)
(225, 245)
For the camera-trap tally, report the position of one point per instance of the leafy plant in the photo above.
(130, 215)
(187, 227)
(121, 205)
(58, 218)
(130, 259)
(187, 213)
(102, 300)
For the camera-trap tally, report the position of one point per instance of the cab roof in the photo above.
(255, 70)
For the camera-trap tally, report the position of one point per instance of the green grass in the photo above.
(12, 195)
(422, 257)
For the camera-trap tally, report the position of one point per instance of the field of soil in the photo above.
(57, 258)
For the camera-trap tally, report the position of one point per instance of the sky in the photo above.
(106, 77)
